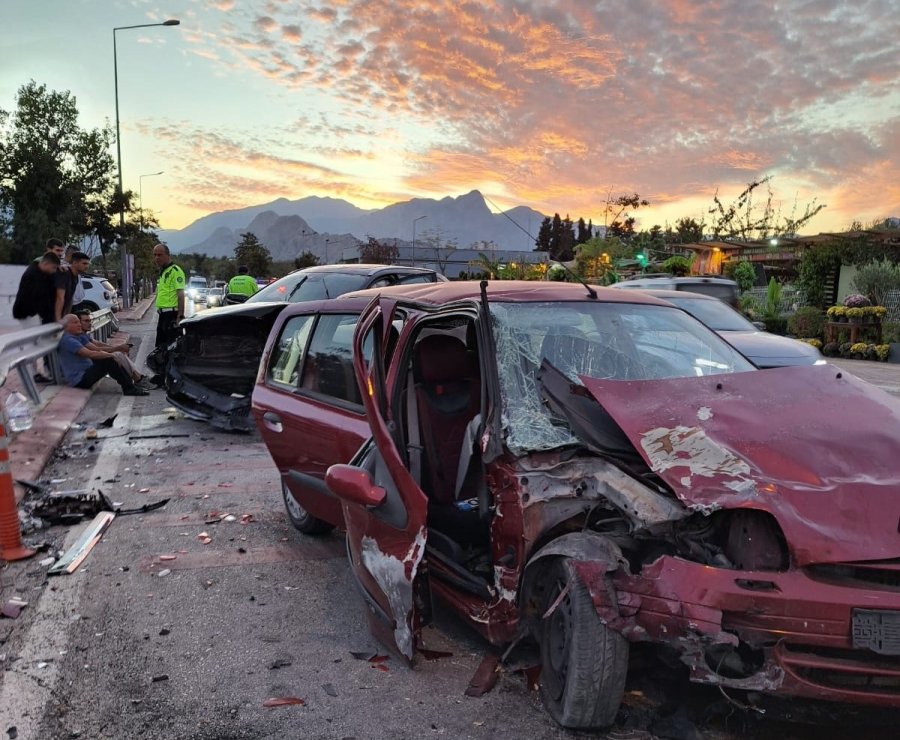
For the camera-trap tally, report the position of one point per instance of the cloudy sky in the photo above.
(546, 103)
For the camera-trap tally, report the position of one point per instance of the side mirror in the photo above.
(759, 325)
(354, 485)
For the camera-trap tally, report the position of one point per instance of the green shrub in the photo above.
(806, 322)
(751, 307)
(875, 279)
(678, 266)
(745, 276)
(890, 332)
(775, 324)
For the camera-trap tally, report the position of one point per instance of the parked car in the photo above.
(212, 367)
(765, 350)
(587, 471)
(215, 297)
(718, 287)
(98, 293)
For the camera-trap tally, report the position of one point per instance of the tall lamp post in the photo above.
(418, 218)
(141, 194)
(126, 287)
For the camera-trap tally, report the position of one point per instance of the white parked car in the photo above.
(98, 293)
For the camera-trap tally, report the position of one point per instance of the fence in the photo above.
(791, 298)
(19, 349)
(892, 304)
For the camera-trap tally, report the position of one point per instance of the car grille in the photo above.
(878, 574)
(842, 669)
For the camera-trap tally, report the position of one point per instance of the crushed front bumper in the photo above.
(199, 402)
(784, 633)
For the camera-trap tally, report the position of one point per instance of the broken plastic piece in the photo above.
(283, 701)
(13, 607)
(76, 554)
(485, 677)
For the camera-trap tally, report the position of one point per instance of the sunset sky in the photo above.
(545, 103)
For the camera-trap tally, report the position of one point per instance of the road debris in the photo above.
(329, 689)
(164, 572)
(486, 676)
(247, 518)
(76, 554)
(279, 663)
(284, 701)
(161, 677)
(204, 538)
(13, 607)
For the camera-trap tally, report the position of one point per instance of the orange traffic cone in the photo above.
(10, 533)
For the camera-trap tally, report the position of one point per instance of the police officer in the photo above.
(169, 303)
(242, 283)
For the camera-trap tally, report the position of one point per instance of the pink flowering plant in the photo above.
(855, 300)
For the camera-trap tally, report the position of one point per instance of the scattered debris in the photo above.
(163, 572)
(381, 667)
(284, 701)
(363, 654)
(204, 538)
(161, 677)
(168, 557)
(434, 654)
(43, 664)
(76, 554)
(486, 676)
(156, 436)
(90, 433)
(144, 490)
(13, 732)
(280, 663)
(13, 607)
(247, 518)
(329, 689)
(107, 423)
(48, 561)
(164, 631)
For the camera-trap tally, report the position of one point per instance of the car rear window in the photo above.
(723, 292)
(312, 287)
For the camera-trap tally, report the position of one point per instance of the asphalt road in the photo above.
(120, 650)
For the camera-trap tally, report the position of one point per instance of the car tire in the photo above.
(583, 662)
(88, 306)
(302, 520)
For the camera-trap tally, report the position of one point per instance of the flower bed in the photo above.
(857, 351)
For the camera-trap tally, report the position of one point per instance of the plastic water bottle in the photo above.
(18, 412)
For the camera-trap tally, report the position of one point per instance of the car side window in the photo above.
(417, 278)
(87, 284)
(329, 361)
(287, 357)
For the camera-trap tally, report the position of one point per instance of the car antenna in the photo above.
(591, 292)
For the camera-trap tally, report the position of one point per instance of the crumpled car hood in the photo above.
(815, 446)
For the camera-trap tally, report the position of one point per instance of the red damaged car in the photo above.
(588, 468)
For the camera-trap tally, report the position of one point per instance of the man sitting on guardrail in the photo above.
(119, 352)
(83, 367)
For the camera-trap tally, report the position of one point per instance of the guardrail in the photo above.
(19, 348)
(103, 324)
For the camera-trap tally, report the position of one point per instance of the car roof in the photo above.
(525, 291)
(364, 269)
(678, 280)
(670, 294)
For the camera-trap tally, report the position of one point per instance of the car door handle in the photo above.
(272, 421)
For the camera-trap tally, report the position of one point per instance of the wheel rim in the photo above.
(296, 511)
(557, 636)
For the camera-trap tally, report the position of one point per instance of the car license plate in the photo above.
(876, 630)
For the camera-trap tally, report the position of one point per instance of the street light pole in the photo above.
(141, 194)
(126, 288)
(419, 218)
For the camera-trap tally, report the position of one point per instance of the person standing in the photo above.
(66, 281)
(169, 305)
(36, 294)
(242, 283)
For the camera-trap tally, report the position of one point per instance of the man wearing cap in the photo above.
(242, 283)
(169, 302)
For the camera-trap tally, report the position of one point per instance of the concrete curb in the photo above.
(136, 313)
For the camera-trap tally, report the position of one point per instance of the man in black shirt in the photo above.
(36, 295)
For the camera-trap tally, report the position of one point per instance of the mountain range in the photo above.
(330, 227)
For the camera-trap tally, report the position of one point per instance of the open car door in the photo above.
(384, 508)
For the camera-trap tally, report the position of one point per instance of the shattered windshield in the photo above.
(621, 341)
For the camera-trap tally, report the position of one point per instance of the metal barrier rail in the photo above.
(103, 324)
(19, 348)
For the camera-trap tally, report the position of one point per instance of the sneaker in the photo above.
(135, 391)
(41, 378)
(145, 384)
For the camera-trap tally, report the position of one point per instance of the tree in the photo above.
(542, 243)
(305, 259)
(54, 176)
(687, 231)
(562, 239)
(749, 220)
(584, 232)
(254, 255)
(618, 211)
(378, 253)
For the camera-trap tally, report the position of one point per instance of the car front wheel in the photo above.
(583, 662)
(301, 518)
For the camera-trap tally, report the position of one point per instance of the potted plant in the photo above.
(855, 315)
(856, 300)
(837, 313)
